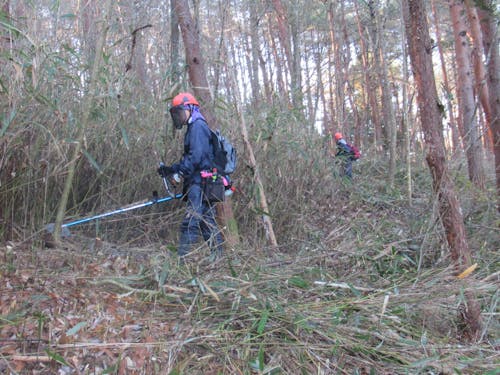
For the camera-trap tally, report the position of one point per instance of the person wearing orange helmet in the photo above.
(197, 157)
(344, 153)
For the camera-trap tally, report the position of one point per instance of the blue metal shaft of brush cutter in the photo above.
(122, 210)
(133, 206)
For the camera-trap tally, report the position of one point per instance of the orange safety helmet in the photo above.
(184, 98)
(338, 136)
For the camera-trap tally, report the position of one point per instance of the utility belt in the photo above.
(215, 186)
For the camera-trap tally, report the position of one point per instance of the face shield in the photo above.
(178, 114)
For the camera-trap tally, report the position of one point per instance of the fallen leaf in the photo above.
(467, 271)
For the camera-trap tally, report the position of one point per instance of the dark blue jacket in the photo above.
(343, 149)
(198, 152)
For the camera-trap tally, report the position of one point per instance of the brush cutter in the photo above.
(134, 206)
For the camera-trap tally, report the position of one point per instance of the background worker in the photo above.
(345, 155)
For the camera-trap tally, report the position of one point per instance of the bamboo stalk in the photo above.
(81, 127)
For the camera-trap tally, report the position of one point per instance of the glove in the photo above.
(165, 171)
(176, 178)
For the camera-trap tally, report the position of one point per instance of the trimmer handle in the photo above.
(164, 173)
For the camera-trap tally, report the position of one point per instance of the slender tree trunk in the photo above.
(254, 25)
(371, 83)
(491, 37)
(364, 62)
(87, 107)
(466, 102)
(420, 48)
(198, 79)
(332, 113)
(404, 107)
(321, 88)
(356, 126)
(455, 134)
(336, 47)
(279, 65)
(223, 15)
(174, 46)
(5, 42)
(387, 110)
(292, 56)
(389, 119)
(479, 68)
(266, 81)
(296, 72)
(252, 163)
(309, 103)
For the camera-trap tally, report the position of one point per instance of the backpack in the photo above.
(225, 158)
(355, 152)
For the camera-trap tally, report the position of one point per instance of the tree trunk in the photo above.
(291, 56)
(339, 93)
(489, 27)
(364, 62)
(277, 68)
(199, 82)
(383, 82)
(254, 23)
(420, 48)
(194, 59)
(479, 68)
(174, 46)
(296, 72)
(455, 134)
(404, 105)
(234, 89)
(388, 114)
(465, 86)
(87, 107)
(370, 83)
(252, 163)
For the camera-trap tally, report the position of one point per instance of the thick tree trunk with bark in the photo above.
(194, 59)
(420, 48)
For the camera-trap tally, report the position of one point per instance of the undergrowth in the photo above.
(361, 283)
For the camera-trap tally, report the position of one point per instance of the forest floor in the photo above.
(356, 297)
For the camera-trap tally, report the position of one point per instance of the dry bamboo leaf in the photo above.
(212, 293)
(177, 289)
(31, 358)
(467, 271)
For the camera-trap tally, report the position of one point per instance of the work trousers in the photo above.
(200, 218)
